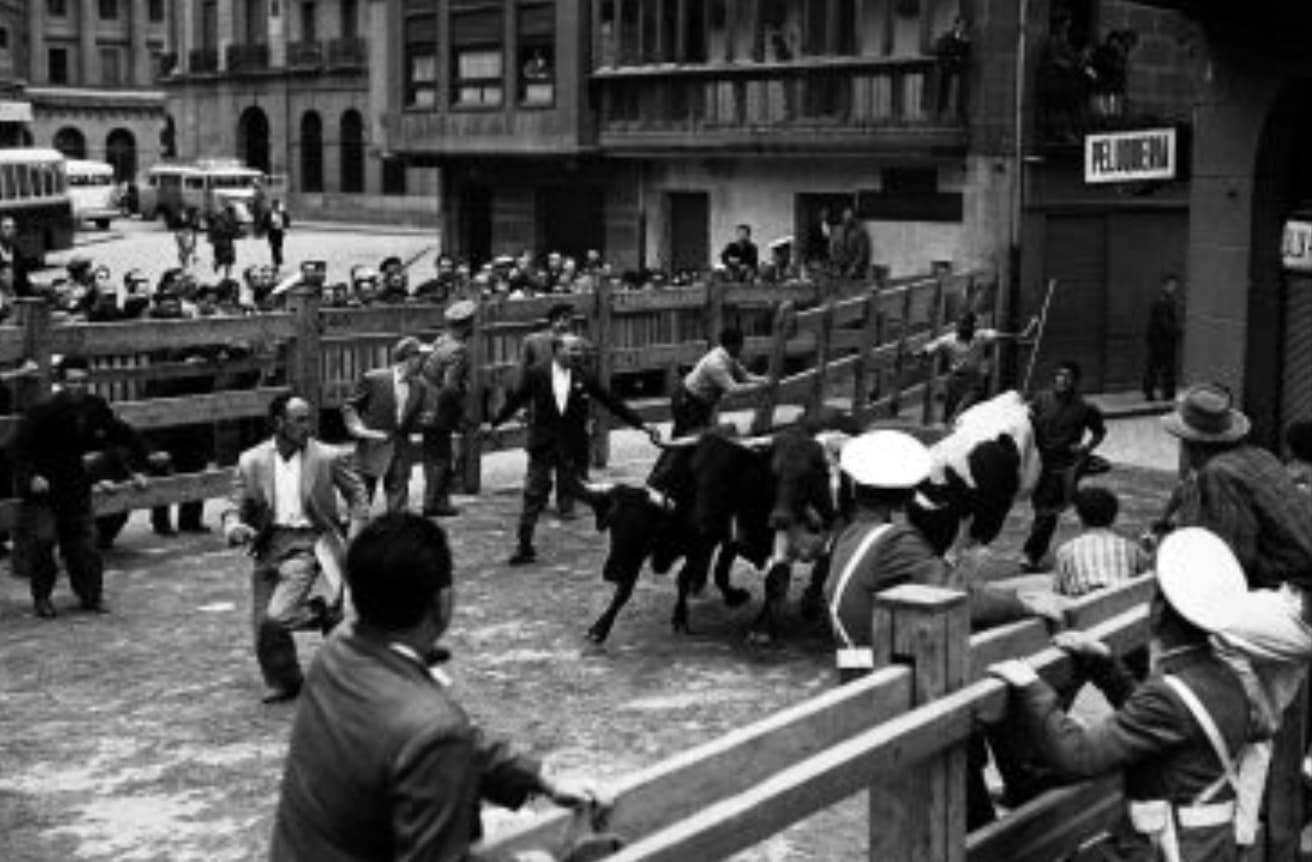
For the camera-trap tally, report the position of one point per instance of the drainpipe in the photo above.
(1011, 294)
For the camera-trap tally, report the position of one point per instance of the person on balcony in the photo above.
(953, 52)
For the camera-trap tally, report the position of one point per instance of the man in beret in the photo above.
(446, 380)
(381, 414)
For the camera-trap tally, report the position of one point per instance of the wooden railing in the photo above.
(851, 350)
(899, 734)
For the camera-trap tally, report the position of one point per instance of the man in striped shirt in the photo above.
(1099, 557)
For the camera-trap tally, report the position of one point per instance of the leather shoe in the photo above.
(95, 606)
(444, 510)
(44, 609)
(280, 694)
(524, 556)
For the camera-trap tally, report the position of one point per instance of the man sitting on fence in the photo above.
(718, 373)
(1176, 736)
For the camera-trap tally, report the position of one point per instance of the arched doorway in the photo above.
(1278, 370)
(71, 142)
(121, 152)
(253, 138)
(311, 152)
(352, 149)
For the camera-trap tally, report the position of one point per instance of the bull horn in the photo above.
(755, 443)
(596, 489)
(659, 499)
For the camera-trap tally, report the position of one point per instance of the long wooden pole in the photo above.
(1038, 339)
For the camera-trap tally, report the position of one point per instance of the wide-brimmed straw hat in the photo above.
(1204, 414)
(1200, 577)
(885, 459)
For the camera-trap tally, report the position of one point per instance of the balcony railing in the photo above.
(347, 52)
(247, 58)
(203, 60)
(823, 103)
(305, 55)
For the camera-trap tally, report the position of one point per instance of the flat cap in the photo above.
(460, 312)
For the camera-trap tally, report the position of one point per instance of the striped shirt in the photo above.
(1096, 558)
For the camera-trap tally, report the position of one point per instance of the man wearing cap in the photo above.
(381, 414)
(1176, 736)
(1066, 431)
(561, 396)
(446, 380)
(882, 548)
(1243, 494)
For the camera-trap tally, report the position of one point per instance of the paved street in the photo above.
(149, 246)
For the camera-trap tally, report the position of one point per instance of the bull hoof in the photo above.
(596, 636)
(735, 596)
(757, 637)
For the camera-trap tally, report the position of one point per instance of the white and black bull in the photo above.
(767, 500)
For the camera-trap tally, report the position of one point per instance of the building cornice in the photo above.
(78, 97)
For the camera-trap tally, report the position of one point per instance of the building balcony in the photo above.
(348, 53)
(203, 60)
(831, 104)
(305, 55)
(247, 58)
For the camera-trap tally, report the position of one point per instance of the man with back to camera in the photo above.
(383, 763)
(283, 505)
(446, 382)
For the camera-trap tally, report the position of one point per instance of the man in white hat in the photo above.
(446, 378)
(882, 548)
(1176, 736)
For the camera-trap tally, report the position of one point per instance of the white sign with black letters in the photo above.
(1296, 246)
(1120, 157)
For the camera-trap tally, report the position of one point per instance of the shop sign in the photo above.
(1296, 246)
(15, 112)
(1121, 157)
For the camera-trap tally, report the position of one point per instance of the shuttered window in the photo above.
(477, 55)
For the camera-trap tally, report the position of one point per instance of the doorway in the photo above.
(475, 224)
(253, 138)
(689, 230)
(571, 219)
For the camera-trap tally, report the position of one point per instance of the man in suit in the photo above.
(284, 506)
(446, 380)
(384, 763)
(539, 348)
(559, 396)
(48, 453)
(381, 414)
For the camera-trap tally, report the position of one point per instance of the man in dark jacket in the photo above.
(538, 349)
(1163, 341)
(384, 764)
(559, 396)
(48, 455)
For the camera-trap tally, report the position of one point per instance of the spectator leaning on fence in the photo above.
(1099, 557)
(383, 762)
(717, 374)
(284, 507)
(1176, 736)
(54, 486)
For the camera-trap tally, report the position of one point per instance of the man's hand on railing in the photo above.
(1080, 643)
(139, 481)
(1014, 672)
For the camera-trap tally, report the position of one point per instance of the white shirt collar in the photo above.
(439, 676)
(560, 383)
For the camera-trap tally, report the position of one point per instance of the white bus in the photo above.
(203, 186)
(92, 190)
(34, 191)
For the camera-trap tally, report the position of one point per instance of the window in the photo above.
(420, 54)
(537, 54)
(350, 19)
(393, 176)
(311, 152)
(57, 8)
(352, 152)
(108, 10)
(476, 55)
(57, 65)
(309, 21)
(155, 10)
(111, 67)
(4, 38)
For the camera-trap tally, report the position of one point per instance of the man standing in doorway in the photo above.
(1061, 420)
(560, 395)
(1163, 341)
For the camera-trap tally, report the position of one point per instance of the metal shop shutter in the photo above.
(1296, 363)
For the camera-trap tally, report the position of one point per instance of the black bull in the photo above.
(717, 494)
(721, 495)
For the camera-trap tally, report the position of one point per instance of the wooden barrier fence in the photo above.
(846, 343)
(900, 735)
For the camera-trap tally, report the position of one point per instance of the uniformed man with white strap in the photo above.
(1176, 736)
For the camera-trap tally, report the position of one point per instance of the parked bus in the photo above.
(204, 186)
(34, 191)
(93, 192)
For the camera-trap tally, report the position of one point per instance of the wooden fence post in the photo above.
(936, 312)
(304, 365)
(899, 361)
(784, 324)
(605, 330)
(920, 815)
(32, 315)
(872, 331)
(822, 342)
(470, 468)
